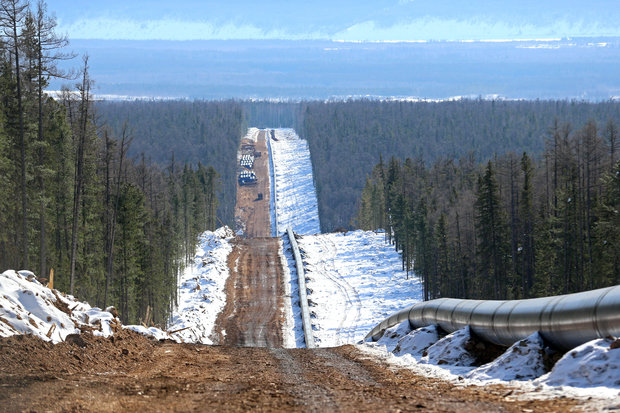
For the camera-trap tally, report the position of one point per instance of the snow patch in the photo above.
(29, 307)
(392, 336)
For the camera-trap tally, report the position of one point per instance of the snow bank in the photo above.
(393, 335)
(451, 350)
(354, 281)
(524, 360)
(201, 288)
(296, 203)
(593, 364)
(252, 134)
(28, 307)
(417, 342)
(590, 372)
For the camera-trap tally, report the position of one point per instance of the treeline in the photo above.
(516, 226)
(346, 138)
(115, 229)
(189, 131)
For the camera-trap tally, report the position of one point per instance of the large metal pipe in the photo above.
(303, 297)
(566, 321)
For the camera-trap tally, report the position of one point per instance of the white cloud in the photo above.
(426, 28)
(172, 29)
(431, 28)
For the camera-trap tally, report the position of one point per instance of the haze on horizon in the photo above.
(348, 20)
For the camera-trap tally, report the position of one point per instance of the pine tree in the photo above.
(491, 229)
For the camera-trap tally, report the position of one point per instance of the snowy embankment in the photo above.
(29, 307)
(201, 291)
(354, 281)
(591, 370)
(295, 197)
(293, 328)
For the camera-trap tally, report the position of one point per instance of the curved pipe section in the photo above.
(566, 321)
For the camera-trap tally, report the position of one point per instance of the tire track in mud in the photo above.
(253, 315)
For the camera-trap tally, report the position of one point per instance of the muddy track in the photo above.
(132, 373)
(252, 207)
(253, 313)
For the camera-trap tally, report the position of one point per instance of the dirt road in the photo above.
(132, 373)
(252, 207)
(253, 313)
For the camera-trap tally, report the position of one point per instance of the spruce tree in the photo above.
(491, 230)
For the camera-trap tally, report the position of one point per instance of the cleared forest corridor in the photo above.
(248, 370)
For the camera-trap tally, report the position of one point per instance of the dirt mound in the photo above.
(85, 352)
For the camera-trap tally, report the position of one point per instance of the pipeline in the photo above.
(565, 321)
(273, 202)
(303, 298)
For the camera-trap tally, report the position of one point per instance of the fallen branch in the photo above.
(176, 331)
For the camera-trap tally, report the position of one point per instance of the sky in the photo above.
(348, 20)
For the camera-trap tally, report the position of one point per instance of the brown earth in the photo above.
(253, 313)
(133, 373)
(251, 212)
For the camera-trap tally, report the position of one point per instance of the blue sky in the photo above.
(381, 20)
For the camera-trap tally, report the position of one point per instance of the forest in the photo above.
(187, 131)
(515, 226)
(347, 138)
(115, 227)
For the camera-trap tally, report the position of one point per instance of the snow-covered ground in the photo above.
(201, 288)
(29, 307)
(295, 197)
(590, 372)
(354, 281)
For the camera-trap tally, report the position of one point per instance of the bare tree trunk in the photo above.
(110, 255)
(79, 173)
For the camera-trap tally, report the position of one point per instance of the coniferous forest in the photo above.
(515, 226)
(116, 228)
(347, 138)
